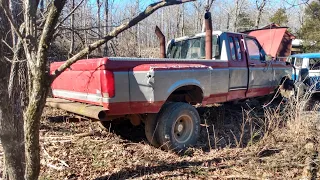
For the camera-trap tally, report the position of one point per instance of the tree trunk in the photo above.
(106, 30)
(182, 21)
(260, 9)
(99, 25)
(235, 23)
(137, 37)
(13, 93)
(71, 50)
(39, 83)
(228, 21)
(11, 127)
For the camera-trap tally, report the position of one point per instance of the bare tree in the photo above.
(99, 4)
(260, 7)
(237, 10)
(71, 51)
(106, 30)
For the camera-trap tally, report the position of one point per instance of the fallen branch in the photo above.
(55, 167)
(91, 133)
(54, 158)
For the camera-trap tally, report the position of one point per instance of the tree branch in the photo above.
(48, 31)
(135, 20)
(10, 18)
(5, 43)
(71, 12)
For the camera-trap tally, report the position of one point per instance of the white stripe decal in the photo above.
(235, 89)
(97, 98)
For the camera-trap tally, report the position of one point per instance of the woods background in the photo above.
(88, 20)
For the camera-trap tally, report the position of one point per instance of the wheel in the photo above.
(178, 126)
(300, 89)
(150, 125)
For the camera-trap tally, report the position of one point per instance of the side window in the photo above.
(232, 48)
(255, 51)
(238, 49)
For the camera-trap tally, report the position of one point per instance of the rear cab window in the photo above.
(193, 48)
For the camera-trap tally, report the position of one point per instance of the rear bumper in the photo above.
(92, 111)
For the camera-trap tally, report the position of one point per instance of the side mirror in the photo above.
(268, 57)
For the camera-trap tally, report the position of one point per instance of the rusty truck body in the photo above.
(162, 92)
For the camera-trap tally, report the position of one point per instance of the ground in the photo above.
(249, 144)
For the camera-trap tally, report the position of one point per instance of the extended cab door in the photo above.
(238, 69)
(260, 71)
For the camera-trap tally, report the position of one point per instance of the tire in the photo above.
(300, 89)
(178, 127)
(150, 129)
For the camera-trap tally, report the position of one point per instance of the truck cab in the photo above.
(251, 71)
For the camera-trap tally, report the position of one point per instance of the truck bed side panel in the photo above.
(152, 85)
(79, 85)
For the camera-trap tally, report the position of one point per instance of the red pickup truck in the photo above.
(162, 92)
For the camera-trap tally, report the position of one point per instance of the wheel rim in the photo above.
(183, 128)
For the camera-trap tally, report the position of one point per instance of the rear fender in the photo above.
(182, 83)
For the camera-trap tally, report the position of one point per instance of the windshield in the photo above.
(193, 48)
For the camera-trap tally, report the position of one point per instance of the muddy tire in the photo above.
(150, 129)
(178, 126)
(300, 89)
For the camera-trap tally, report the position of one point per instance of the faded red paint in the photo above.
(275, 40)
(86, 81)
(270, 39)
(92, 77)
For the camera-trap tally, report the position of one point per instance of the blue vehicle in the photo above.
(306, 70)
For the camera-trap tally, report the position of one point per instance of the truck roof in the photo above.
(202, 34)
(306, 55)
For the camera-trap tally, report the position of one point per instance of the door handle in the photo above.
(252, 64)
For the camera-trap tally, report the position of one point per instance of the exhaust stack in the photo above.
(208, 27)
(92, 111)
(162, 40)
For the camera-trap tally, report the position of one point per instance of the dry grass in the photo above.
(242, 141)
